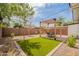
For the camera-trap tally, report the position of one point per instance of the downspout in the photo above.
(72, 12)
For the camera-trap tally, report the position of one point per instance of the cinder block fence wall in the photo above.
(30, 31)
(68, 30)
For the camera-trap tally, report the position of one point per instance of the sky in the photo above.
(49, 11)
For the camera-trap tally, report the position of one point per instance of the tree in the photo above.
(17, 25)
(8, 10)
(68, 22)
(60, 21)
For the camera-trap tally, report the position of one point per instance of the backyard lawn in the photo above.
(38, 46)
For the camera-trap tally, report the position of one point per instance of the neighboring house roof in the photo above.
(49, 21)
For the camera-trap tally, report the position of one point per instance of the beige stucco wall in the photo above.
(73, 30)
(44, 25)
(74, 5)
(75, 11)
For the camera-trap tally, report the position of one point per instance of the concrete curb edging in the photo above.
(55, 49)
(22, 52)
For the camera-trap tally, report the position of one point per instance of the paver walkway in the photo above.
(64, 50)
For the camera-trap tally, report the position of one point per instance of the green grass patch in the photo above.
(38, 46)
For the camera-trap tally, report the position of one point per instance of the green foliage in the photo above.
(71, 41)
(16, 9)
(68, 22)
(27, 46)
(60, 21)
(39, 46)
(17, 25)
(23, 10)
(2, 25)
(12, 34)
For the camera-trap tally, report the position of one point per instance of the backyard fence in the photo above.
(18, 31)
(31, 31)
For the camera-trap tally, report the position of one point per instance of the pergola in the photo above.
(48, 22)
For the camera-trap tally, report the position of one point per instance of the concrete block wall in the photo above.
(73, 30)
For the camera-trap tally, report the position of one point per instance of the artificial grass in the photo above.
(38, 46)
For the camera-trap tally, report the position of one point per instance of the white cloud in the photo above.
(36, 7)
(38, 4)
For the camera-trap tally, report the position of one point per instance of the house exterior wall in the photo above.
(73, 30)
(75, 11)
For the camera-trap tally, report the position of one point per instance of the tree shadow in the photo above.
(76, 47)
(26, 45)
(52, 39)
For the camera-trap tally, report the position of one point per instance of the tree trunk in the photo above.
(1, 21)
(1, 18)
(1, 41)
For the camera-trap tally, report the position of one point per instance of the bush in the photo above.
(2, 25)
(12, 34)
(71, 41)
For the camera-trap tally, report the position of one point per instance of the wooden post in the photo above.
(30, 28)
(40, 29)
(55, 29)
(60, 31)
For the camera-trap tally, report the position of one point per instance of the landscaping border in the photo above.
(55, 49)
(21, 51)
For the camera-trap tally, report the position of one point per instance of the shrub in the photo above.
(12, 34)
(71, 41)
(2, 25)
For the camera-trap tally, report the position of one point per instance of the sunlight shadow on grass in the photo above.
(27, 46)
